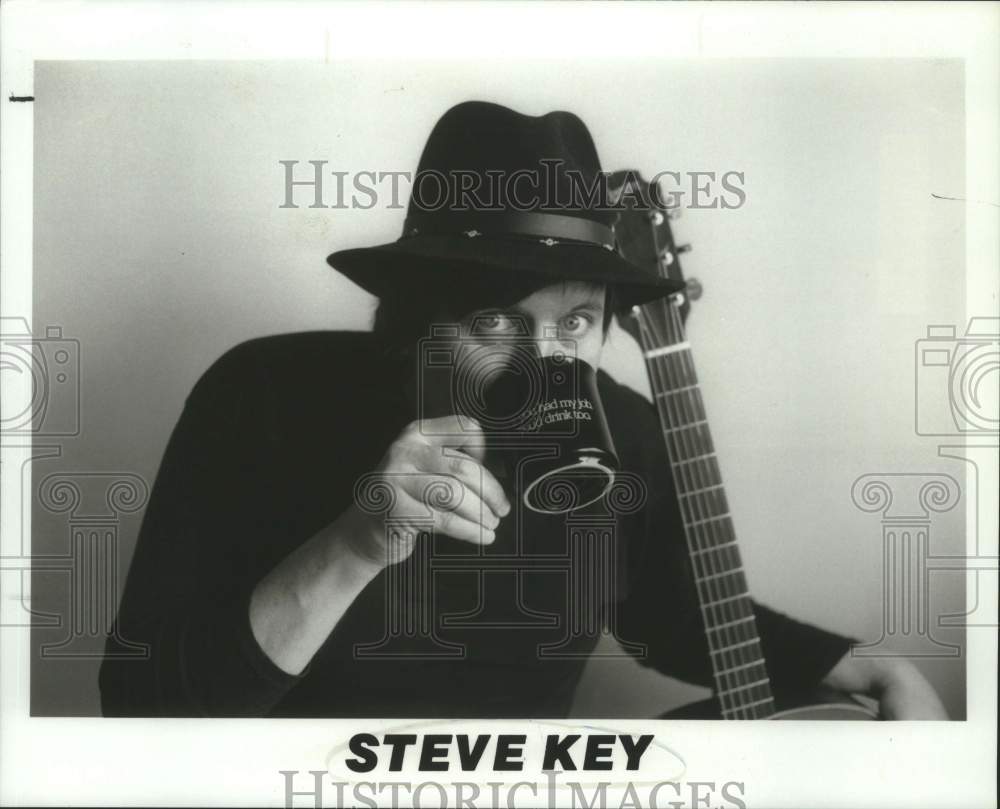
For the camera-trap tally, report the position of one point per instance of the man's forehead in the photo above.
(563, 293)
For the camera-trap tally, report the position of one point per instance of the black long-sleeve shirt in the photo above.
(269, 447)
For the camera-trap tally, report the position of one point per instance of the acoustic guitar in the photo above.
(742, 689)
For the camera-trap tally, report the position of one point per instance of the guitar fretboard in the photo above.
(741, 681)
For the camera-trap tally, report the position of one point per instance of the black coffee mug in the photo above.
(546, 432)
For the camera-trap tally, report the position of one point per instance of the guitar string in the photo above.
(673, 321)
(735, 640)
(729, 702)
(753, 696)
(742, 636)
(738, 686)
(756, 695)
(689, 482)
(714, 577)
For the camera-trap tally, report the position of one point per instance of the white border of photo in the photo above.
(88, 761)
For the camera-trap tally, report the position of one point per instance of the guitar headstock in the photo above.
(645, 239)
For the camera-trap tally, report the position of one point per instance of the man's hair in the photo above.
(407, 314)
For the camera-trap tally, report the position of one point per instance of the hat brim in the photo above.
(436, 259)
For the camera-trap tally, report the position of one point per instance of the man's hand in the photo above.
(901, 690)
(430, 478)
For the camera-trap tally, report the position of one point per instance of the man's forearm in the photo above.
(294, 608)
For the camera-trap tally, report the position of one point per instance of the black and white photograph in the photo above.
(503, 423)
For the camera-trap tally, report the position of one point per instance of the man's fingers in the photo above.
(473, 474)
(454, 431)
(451, 523)
(464, 498)
(454, 525)
(448, 494)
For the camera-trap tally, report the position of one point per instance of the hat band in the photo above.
(550, 229)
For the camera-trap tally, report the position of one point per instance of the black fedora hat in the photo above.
(500, 197)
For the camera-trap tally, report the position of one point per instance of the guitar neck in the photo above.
(742, 685)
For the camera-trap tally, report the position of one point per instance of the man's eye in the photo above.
(574, 324)
(494, 323)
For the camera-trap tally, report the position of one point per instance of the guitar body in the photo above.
(821, 705)
(844, 712)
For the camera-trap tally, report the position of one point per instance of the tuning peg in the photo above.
(683, 248)
(666, 258)
(656, 217)
(694, 288)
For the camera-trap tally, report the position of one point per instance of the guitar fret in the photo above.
(748, 706)
(695, 458)
(725, 649)
(751, 705)
(716, 548)
(708, 519)
(704, 473)
(742, 594)
(687, 426)
(751, 664)
(677, 460)
(659, 352)
(744, 687)
(723, 600)
(673, 419)
(681, 389)
(698, 491)
(719, 575)
(725, 567)
(719, 614)
(730, 623)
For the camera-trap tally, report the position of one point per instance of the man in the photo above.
(270, 579)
